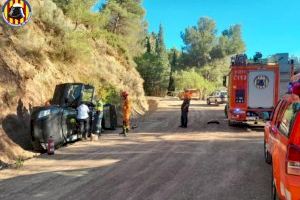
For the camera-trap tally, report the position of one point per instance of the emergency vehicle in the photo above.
(282, 144)
(253, 90)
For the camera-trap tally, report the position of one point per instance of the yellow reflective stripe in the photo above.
(27, 12)
(5, 11)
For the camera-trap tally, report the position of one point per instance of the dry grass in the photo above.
(46, 53)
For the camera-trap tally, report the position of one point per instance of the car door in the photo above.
(282, 141)
(277, 117)
(269, 125)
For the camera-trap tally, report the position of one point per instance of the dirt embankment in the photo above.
(31, 66)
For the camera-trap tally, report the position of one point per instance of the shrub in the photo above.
(193, 80)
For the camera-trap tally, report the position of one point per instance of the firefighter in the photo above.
(185, 109)
(83, 119)
(126, 113)
(99, 115)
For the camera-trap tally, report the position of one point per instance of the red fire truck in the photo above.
(253, 90)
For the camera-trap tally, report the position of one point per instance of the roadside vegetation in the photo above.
(109, 47)
(200, 64)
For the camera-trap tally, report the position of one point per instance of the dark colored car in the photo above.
(59, 119)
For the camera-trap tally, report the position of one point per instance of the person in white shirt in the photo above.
(83, 119)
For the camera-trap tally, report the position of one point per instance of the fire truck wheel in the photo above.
(231, 123)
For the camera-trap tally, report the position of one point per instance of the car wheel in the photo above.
(216, 102)
(274, 194)
(231, 123)
(208, 102)
(268, 157)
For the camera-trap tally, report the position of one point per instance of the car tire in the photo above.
(216, 103)
(208, 102)
(268, 157)
(274, 194)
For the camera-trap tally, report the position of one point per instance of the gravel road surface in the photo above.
(158, 161)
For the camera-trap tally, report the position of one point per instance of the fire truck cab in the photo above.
(253, 90)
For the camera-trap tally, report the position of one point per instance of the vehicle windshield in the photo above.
(87, 95)
(224, 93)
(73, 93)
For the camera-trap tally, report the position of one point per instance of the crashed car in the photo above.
(58, 119)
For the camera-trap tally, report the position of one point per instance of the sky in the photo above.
(269, 26)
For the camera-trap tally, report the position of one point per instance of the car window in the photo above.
(288, 118)
(279, 114)
(276, 110)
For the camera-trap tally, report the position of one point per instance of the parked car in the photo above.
(282, 148)
(217, 97)
(196, 95)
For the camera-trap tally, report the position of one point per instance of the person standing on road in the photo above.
(83, 119)
(99, 115)
(126, 113)
(185, 109)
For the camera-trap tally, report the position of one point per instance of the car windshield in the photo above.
(224, 93)
(74, 93)
(87, 95)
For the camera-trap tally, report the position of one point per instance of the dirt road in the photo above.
(158, 161)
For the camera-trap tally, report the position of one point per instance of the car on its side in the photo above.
(282, 148)
(217, 97)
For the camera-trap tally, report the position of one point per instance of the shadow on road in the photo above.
(148, 169)
(17, 127)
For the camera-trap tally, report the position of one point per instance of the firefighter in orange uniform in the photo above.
(126, 113)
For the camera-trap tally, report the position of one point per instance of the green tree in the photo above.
(154, 66)
(173, 59)
(126, 18)
(199, 41)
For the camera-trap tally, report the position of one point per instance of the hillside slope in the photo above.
(50, 50)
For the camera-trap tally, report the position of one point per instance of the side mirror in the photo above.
(225, 81)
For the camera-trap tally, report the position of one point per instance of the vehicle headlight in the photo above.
(44, 113)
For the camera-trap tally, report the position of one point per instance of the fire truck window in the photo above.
(288, 118)
(240, 96)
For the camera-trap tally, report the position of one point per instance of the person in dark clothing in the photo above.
(184, 111)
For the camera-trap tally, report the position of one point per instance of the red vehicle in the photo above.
(282, 146)
(253, 91)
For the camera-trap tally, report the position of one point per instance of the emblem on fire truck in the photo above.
(16, 12)
(261, 82)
